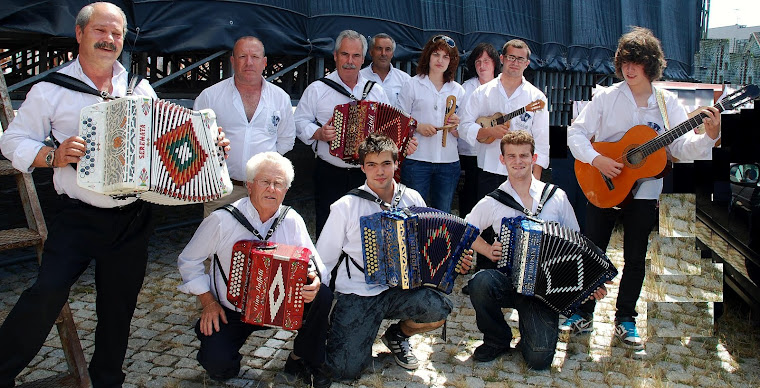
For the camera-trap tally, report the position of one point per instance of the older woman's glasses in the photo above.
(446, 39)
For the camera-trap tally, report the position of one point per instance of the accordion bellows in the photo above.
(415, 247)
(163, 152)
(354, 121)
(554, 263)
(266, 283)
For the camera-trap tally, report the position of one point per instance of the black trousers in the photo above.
(118, 241)
(331, 183)
(468, 196)
(639, 218)
(220, 352)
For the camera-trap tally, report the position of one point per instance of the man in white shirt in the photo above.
(332, 176)
(113, 232)
(639, 60)
(505, 94)
(491, 290)
(219, 329)
(360, 307)
(256, 115)
(381, 70)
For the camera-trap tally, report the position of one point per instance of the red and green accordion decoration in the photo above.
(414, 247)
(354, 121)
(266, 283)
(556, 264)
(160, 151)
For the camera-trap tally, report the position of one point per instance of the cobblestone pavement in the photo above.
(162, 345)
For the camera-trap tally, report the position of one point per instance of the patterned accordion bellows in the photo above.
(554, 263)
(163, 152)
(266, 282)
(414, 247)
(354, 121)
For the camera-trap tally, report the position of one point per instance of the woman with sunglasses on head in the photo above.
(433, 170)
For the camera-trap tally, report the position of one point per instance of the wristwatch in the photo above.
(50, 157)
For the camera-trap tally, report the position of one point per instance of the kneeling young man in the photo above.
(490, 289)
(220, 330)
(360, 307)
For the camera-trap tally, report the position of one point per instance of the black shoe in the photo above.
(315, 377)
(486, 352)
(398, 344)
(466, 289)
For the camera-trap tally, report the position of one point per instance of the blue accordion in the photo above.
(554, 263)
(414, 247)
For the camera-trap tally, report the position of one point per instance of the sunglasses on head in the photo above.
(446, 39)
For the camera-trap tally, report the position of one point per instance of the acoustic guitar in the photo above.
(499, 118)
(642, 152)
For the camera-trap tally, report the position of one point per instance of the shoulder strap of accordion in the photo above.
(334, 273)
(243, 221)
(71, 83)
(369, 197)
(547, 193)
(367, 88)
(337, 87)
(134, 80)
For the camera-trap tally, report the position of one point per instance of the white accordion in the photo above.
(160, 151)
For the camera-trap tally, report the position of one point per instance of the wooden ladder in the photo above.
(35, 236)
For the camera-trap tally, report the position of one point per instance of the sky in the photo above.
(730, 12)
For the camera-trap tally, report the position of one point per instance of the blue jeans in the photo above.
(490, 290)
(435, 182)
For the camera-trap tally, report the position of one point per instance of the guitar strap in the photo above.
(661, 104)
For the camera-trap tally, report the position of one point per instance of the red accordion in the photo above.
(354, 121)
(266, 282)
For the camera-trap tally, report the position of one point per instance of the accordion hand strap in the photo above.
(507, 200)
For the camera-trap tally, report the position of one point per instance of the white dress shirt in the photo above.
(271, 128)
(219, 232)
(421, 100)
(464, 147)
(317, 104)
(490, 212)
(613, 111)
(490, 98)
(48, 106)
(342, 233)
(392, 84)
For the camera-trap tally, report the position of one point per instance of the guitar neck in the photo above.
(679, 130)
(509, 116)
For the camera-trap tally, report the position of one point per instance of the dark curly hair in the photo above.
(483, 47)
(432, 46)
(640, 46)
(376, 143)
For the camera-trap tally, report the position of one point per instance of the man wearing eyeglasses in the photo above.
(220, 329)
(505, 94)
(313, 116)
(381, 70)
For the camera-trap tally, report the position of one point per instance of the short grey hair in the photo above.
(253, 38)
(84, 15)
(270, 158)
(351, 34)
(383, 35)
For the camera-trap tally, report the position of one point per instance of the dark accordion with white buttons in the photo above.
(266, 283)
(414, 247)
(162, 152)
(554, 263)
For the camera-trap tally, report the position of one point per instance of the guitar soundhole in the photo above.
(634, 158)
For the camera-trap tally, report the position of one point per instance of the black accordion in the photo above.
(554, 263)
(414, 247)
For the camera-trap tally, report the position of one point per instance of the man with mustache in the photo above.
(313, 116)
(381, 70)
(113, 231)
(256, 115)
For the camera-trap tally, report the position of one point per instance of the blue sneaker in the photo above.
(626, 334)
(576, 325)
